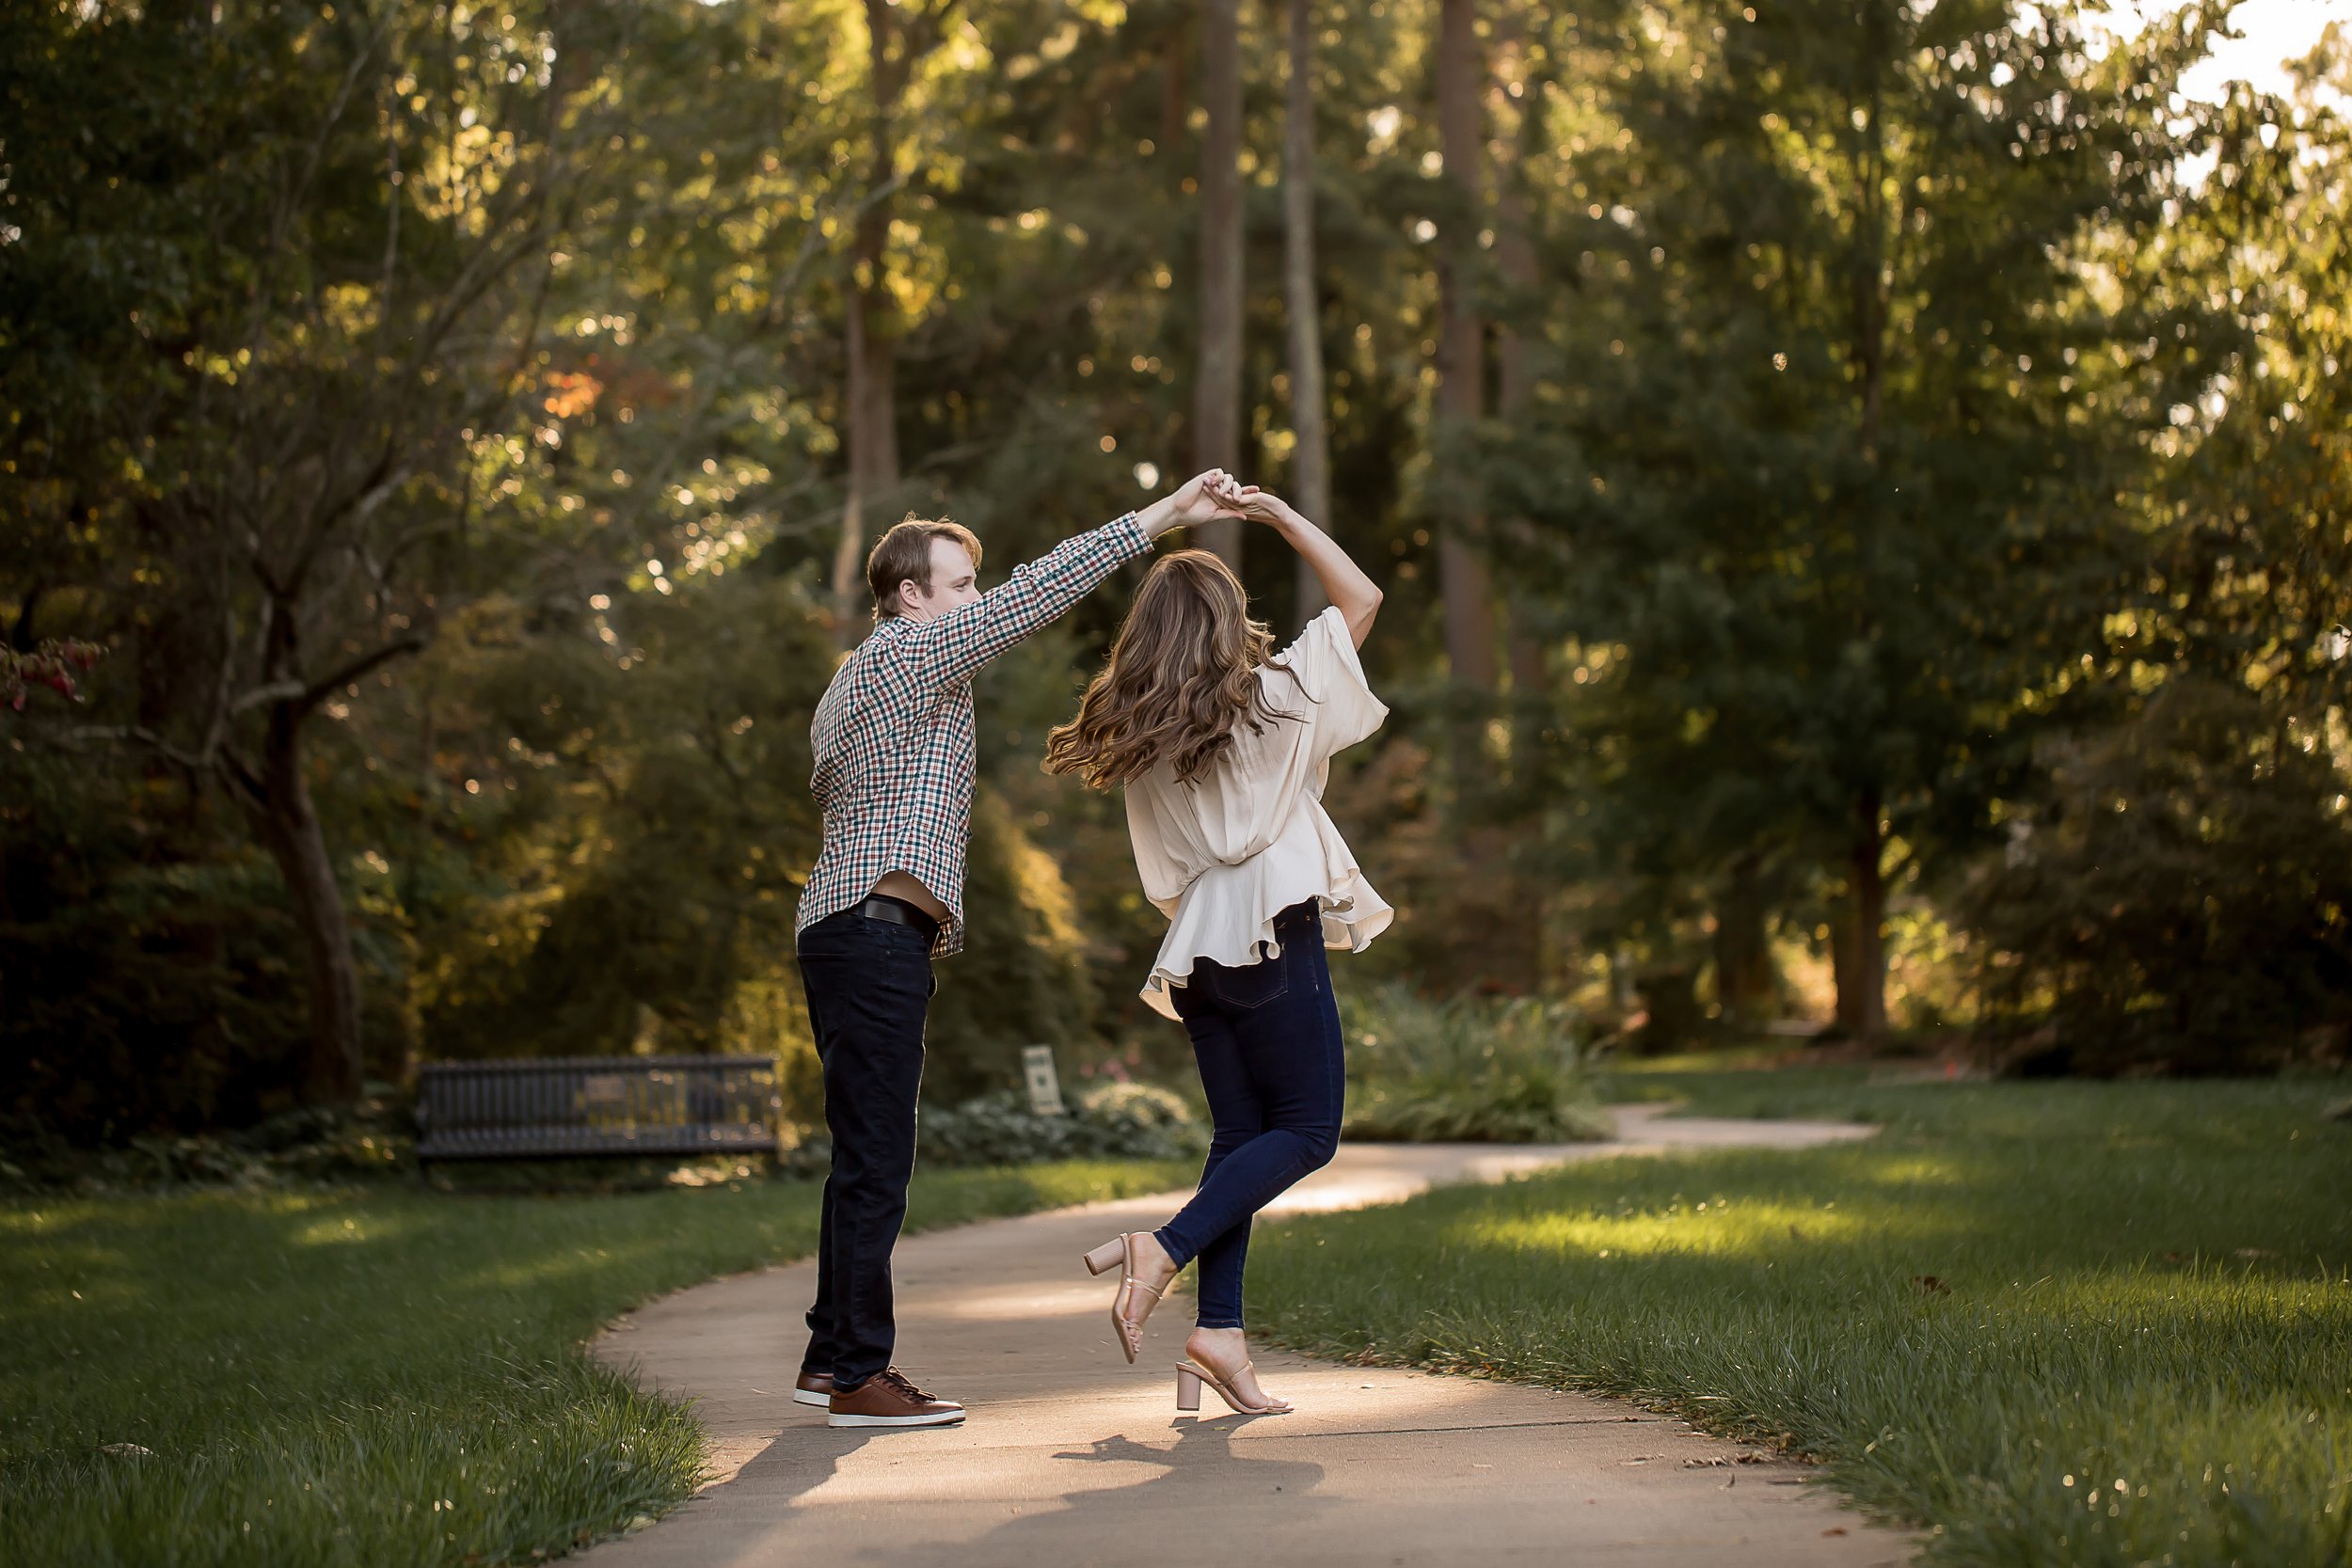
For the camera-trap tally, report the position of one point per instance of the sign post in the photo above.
(1037, 1067)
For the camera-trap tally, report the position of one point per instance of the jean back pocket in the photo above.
(1250, 986)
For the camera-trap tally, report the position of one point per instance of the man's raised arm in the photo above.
(955, 644)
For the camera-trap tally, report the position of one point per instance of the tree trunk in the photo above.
(871, 348)
(1746, 985)
(1860, 958)
(1669, 996)
(279, 800)
(1312, 464)
(1515, 376)
(1862, 980)
(1463, 583)
(1216, 385)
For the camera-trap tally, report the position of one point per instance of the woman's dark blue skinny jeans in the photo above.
(1267, 1038)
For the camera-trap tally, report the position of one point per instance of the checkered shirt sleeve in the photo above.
(893, 735)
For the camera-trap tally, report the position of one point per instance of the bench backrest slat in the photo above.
(597, 1105)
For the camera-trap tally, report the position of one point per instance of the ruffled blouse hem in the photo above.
(1350, 921)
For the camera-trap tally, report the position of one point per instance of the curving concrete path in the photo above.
(1071, 1458)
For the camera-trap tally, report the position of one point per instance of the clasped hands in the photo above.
(1209, 497)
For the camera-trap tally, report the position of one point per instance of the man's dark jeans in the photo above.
(1266, 1036)
(868, 984)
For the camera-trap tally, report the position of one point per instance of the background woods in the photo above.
(1861, 491)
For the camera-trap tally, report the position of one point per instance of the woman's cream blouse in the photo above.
(1225, 853)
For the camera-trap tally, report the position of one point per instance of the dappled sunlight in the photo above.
(356, 1227)
(1670, 1064)
(556, 1265)
(1919, 1170)
(1017, 1304)
(169, 1215)
(1713, 1227)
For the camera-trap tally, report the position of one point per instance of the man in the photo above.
(894, 752)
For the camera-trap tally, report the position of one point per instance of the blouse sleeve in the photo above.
(1341, 709)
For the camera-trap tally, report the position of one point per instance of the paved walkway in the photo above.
(1071, 1458)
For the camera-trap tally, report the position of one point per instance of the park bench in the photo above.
(581, 1106)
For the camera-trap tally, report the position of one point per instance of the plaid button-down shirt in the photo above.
(893, 735)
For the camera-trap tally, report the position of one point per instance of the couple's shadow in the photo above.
(1159, 1517)
(1130, 1524)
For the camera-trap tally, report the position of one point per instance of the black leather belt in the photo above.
(900, 913)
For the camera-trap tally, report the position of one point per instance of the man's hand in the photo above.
(1204, 498)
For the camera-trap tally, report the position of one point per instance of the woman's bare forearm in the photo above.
(1344, 583)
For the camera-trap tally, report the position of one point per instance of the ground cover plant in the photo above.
(1465, 1070)
(371, 1373)
(1128, 1121)
(2052, 1324)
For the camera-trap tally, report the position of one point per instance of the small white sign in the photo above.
(1037, 1066)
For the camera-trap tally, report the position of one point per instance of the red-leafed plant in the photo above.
(54, 662)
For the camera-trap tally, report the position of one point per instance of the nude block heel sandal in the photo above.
(1117, 1251)
(1187, 1387)
(1190, 1375)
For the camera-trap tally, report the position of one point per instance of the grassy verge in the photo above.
(2068, 1323)
(375, 1374)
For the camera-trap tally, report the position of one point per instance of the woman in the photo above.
(1223, 747)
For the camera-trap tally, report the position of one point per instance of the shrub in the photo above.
(1117, 1121)
(305, 1147)
(148, 982)
(2177, 900)
(1467, 1070)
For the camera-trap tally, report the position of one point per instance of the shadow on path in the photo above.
(1198, 1477)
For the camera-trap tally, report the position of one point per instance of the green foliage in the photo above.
(1838, 466)
(1468, 1069)
(298, 1148)
(2180, 900)
(1115, 1121)
(141, 985)
(641, 820)
(2058, 1324)
(372, 1375)
(1022, 979)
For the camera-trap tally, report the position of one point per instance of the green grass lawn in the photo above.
(375, 1374)
(2069, 1322)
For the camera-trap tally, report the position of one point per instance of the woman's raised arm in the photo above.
(1343, 582)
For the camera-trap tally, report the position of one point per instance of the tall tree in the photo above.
(1465, 584)
(1311, 457)
(871, 327)
(332, 415)
(1518, 117)
(361, 266)
(1851, 427)
(1217, 403)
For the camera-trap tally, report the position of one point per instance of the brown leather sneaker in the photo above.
(814, 1388)
(888, 1400)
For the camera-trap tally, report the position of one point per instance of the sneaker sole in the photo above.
(801, 1396)
(895, 1420)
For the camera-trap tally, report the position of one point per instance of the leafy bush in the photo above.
(2177, 902)
(146, 961)
(1123, 1121)
(1466, 1070)
(309, 1147)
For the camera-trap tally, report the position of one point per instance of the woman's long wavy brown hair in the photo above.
(1182, 672)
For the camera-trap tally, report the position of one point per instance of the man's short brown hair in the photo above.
(905, 552)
